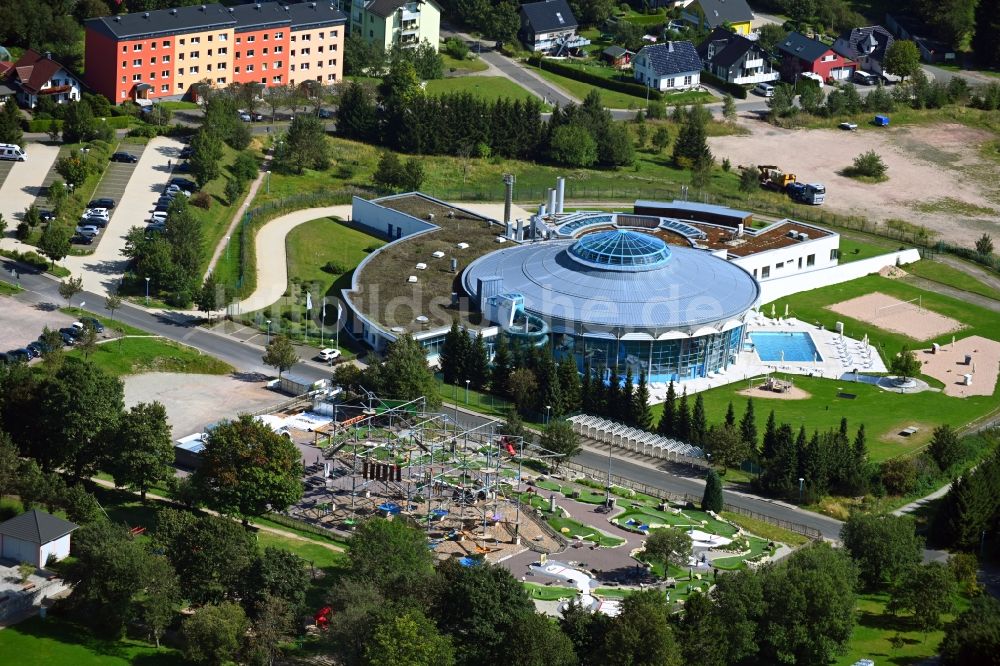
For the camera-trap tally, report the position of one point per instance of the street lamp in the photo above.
(227, 249)
(268, 190)
(548, 409)
(268, 331)
(708, 456)
(147, 291)
(801, 481)
(467, 391)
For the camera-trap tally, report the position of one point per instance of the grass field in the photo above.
(8, 289)
(947, 275)
(875, 628)
(486, 87)
(766, 530)
(104, 319)
(461, 66)
(579, 89)
(58, 642)
(131, 356)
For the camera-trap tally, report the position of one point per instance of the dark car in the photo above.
(186, 152)
(67, 339)
(184, 184)
(4, 359)
(46, 215)
(34, 349)
(325, 113)
(98, 222)
(103, 202)
(93, 323)
(17, 355)
(124, 157)
(183, 167)
(41, 344)
(70, 331)
(165, 199)
(80, 239)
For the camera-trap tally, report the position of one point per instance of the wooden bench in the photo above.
(912, 430)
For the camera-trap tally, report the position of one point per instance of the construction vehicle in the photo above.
(810, 193)
(773, 178)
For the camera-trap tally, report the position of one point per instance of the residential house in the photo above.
(549, 27)
(34, 537)
(907, 26)
(617, 57)
(668, 66)
(711, 14)
(800, 54)
(391, 22)
(6, 73)
(35, 75)
(865, 46)
(736, 59)
(168, 53)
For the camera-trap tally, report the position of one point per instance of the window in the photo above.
(687, 80)
(249, 68)
(220, 65)
(210, 38)
(333, 47)
(193, 70)
(275, 79)
(123, 94)
(220, 79)
(183, 41)
(208, 67)
(239, 54)
(152, 75)
(137, 47)
(180, 56)
(195, 54)
(670, 83)
(828, 58)
(137, 77)
(800, 263)
(210, 52)
(263, 80)
(755, 274)
(236, 70)
(332, 63)
(250, 39)
(265, 39)
(292, 53)
(196, 40)
(331, 77)
(765, 272)
(152, 61)
(264, 51)
(166, 45)
(279, 35)
(180, 86)
(333, 34)
(278, 49)
(371, 33)
(277, 64)
(152, 45)
(124, 64)
(320, 49)
(165, 74)
(124, 49)
(137, 62)
(124, 79)
(239, 40)
(291, 68)
(165, 58)
(180, 71)
(319, 35)
(165, 88)
(304, 51)
(222, 51)
(834, 254)
(304, 66)
(811, 260)
(250, 53)
(778, 265)
(222, 36)
(294, 38)
(263, 66)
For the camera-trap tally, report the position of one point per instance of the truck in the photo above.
(773, 178)
(810, 193)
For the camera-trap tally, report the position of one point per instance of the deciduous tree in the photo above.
(280, 354)
(559, 437)
(670, 546)
(214, 634)
(902, 58)
(54, 242)
(883, 546)
(142, 452)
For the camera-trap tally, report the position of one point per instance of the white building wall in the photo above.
(793, 260)
(59, 548)
(19, 550)
(772, 290)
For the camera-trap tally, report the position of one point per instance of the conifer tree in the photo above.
(626, 406)
(668, 418)
(683, 426)
(699, 422)
(730, 415)
(860, 447)
(479, 363)
(502, 366)
(613, 397)
(587, 391)
(569, 383)
(770, 435)
(712, 499)
(748, 427)
(450, 357)
(643, 415)
(800, 451)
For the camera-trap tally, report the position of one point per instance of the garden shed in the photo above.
(34, 537)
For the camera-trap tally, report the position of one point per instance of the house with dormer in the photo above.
(550, 27)
(865, 46)
(711, 14)
(800, 54)
(35, 75)
(667, 66)
(736, 59)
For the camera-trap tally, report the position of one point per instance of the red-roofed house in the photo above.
(36, 75)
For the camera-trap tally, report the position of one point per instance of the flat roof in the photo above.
(383, 293)
(773, 237)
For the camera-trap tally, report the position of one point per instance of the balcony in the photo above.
(572, 42)
(759, 77)
(410, 16)
(754, 64)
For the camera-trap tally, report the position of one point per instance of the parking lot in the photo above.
(5, 167)
(194, 401)
(24, 180)
(116, 179)
(21, 323)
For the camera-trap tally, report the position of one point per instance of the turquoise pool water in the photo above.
(797, 346)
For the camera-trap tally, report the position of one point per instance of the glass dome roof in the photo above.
(621, 250)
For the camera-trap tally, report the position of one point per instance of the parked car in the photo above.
(97, 211)
(18, 355)
(104, 202)
(70, 331)
(88, 230)
(42, 344)
(865, 78)
(848, 126)
(183, 167)
(156, 227)
(80, 239)
(165, 199)
(67, 339)
(93, 323)
(158, 216)
(184, 184)
(764, 89)
(124, 157)
(161, 208)
(186, 152)
(35, 349)
(99, 222)
(245, 117)
(31, 354)
(46, 215)
(327, 355)
(326, 114)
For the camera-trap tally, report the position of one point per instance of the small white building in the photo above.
(36, 75)
(34, 537)
(668, 66)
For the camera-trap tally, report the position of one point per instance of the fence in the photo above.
(687, 498)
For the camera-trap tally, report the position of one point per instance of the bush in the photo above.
(868, 164)
(456, 48)
(734, 89)
(594, 80)
(335, 268)
(202, 200)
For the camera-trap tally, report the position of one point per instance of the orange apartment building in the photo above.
(164, 53)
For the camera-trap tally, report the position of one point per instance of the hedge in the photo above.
(734, 89)
(42, 124)
(594, 80)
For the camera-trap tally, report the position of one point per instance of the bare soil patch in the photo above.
(928, 164)
(21, 324)
(891, 314)
(949, 366)
(792, 393)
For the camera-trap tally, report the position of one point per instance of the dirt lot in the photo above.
(937, 177)
(21, 323)
(892, 314)
(194, 401)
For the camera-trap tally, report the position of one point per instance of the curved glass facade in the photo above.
(678, 359)
(620, 250)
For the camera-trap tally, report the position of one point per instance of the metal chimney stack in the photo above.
(560, 193)
(508, 196)
(552, 201)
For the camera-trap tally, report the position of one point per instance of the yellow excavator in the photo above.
(773, 178)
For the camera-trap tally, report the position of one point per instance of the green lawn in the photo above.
(470, 64)
(871, 636)
(489, 88)
(948, 275)
(766, 530)
(549, 592)
(179, 106)
(854, 250)
(59, 642)
(579, 89)
(131, 356)
(883, 413)
(9, 289)
(104, 319)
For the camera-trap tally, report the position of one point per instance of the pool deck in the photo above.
(840, 357)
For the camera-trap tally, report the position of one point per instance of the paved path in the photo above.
(272, 265)
(102, 270)
(237, 216)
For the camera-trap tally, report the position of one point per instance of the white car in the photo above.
(848, 126)
(327, 355)
(97, 212)
(88, 230)
(158, 216)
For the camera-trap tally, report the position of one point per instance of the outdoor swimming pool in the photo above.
(797, 346)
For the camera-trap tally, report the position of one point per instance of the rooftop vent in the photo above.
(462, 246)
(411, 279)
(560, 17)
(230, 10)
(430, 216)
(804, 237)
(313, 5)
(793, 234)
(257, 6)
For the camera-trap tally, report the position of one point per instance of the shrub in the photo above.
(456, 48)
(202, 200)
(868, 164)
(335, 267)
(734, 89)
